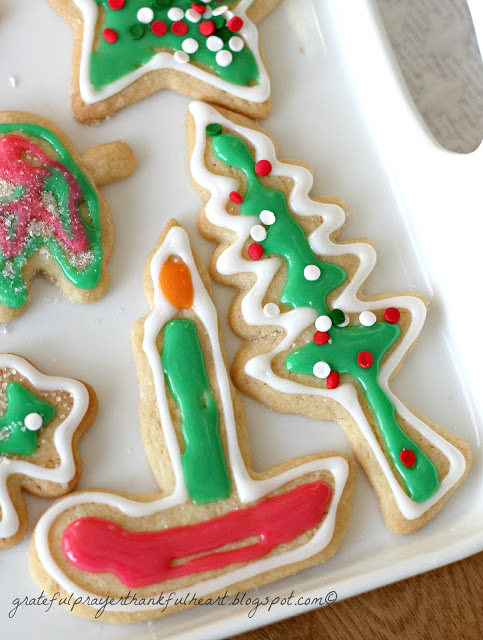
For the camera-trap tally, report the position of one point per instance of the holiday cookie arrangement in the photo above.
(125, 50)
(314, 344)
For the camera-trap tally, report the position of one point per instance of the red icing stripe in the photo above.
(144, 558)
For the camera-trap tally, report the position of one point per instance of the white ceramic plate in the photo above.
(338, 103)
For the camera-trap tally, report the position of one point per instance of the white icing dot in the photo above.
(323, 323)
(367, 318)
(219, 10)
(235, 43)
(190, 45)
(224, 58)
(175, 14)
(346, 321)
(311, 272)
(271, 310)
(214, 43)
(181, 56)
(33, 421)
(258, 233)
(267, 217)
(321, 369)
(193, 16)
(145, 15)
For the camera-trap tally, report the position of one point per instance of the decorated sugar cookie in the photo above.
(42, 418)
(218, 526)
(52, 218)
(125, 50)
(315, 344)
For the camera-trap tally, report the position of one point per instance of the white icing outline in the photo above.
(62, 438)
(293, 322)
(249, 489)
(165, 60)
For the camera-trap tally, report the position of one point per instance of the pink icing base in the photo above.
(14, 169)
(145, 558)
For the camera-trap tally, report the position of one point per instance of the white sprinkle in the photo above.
(214, 43)
(367, 318)
(182, 57)
(323, 323)
(207, 13)
(190, 45)
(311, 272)
(258, 233)
(145, 15)
(206, 1)
(13, 81)
(219, 10)
(224, 58)
(235, 43)
(33, 421)
(321, 369)
(346, 321)
(193, 16)
(271, 310)
(267, 217)
(175, 14)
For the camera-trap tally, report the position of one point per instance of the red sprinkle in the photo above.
(235, 197)
(235, 24)
(408, 457)
(109, 35)
(116, 4)
(263, 168)
(179, 28)
(365, 359)
(392, 315)
(255, 251)
(159, 28)
(207, 28)
(321, 337)
(199, 8)
(332, 380)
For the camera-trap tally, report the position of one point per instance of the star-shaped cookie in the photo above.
(125, 50)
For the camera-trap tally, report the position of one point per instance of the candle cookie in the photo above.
(125, 50)
(42, 419)
(315, 344)
(52, 217)
(218, 527)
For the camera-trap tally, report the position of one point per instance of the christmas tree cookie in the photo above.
(315, 344)
(125, 50)
(42, 419)
(218, 527)
(52, 218)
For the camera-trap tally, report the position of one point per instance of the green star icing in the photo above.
(286, 238)
(136, 44)
(15, 437)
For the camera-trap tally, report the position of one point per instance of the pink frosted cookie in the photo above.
(315, 344)
(125, 50)
(218, 527)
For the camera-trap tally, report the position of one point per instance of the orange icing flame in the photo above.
(176, 284)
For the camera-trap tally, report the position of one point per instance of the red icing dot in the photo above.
(199, 8)
(263, 168)
(207, 28)
(159, 28)
(235, 24)
(236, 197)
(109, 35)
(365, 359)
(392, 315)
(321, 337)
(408, 457)
(255, 251)
(116, 4)
(332, 380)
(179, 28)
